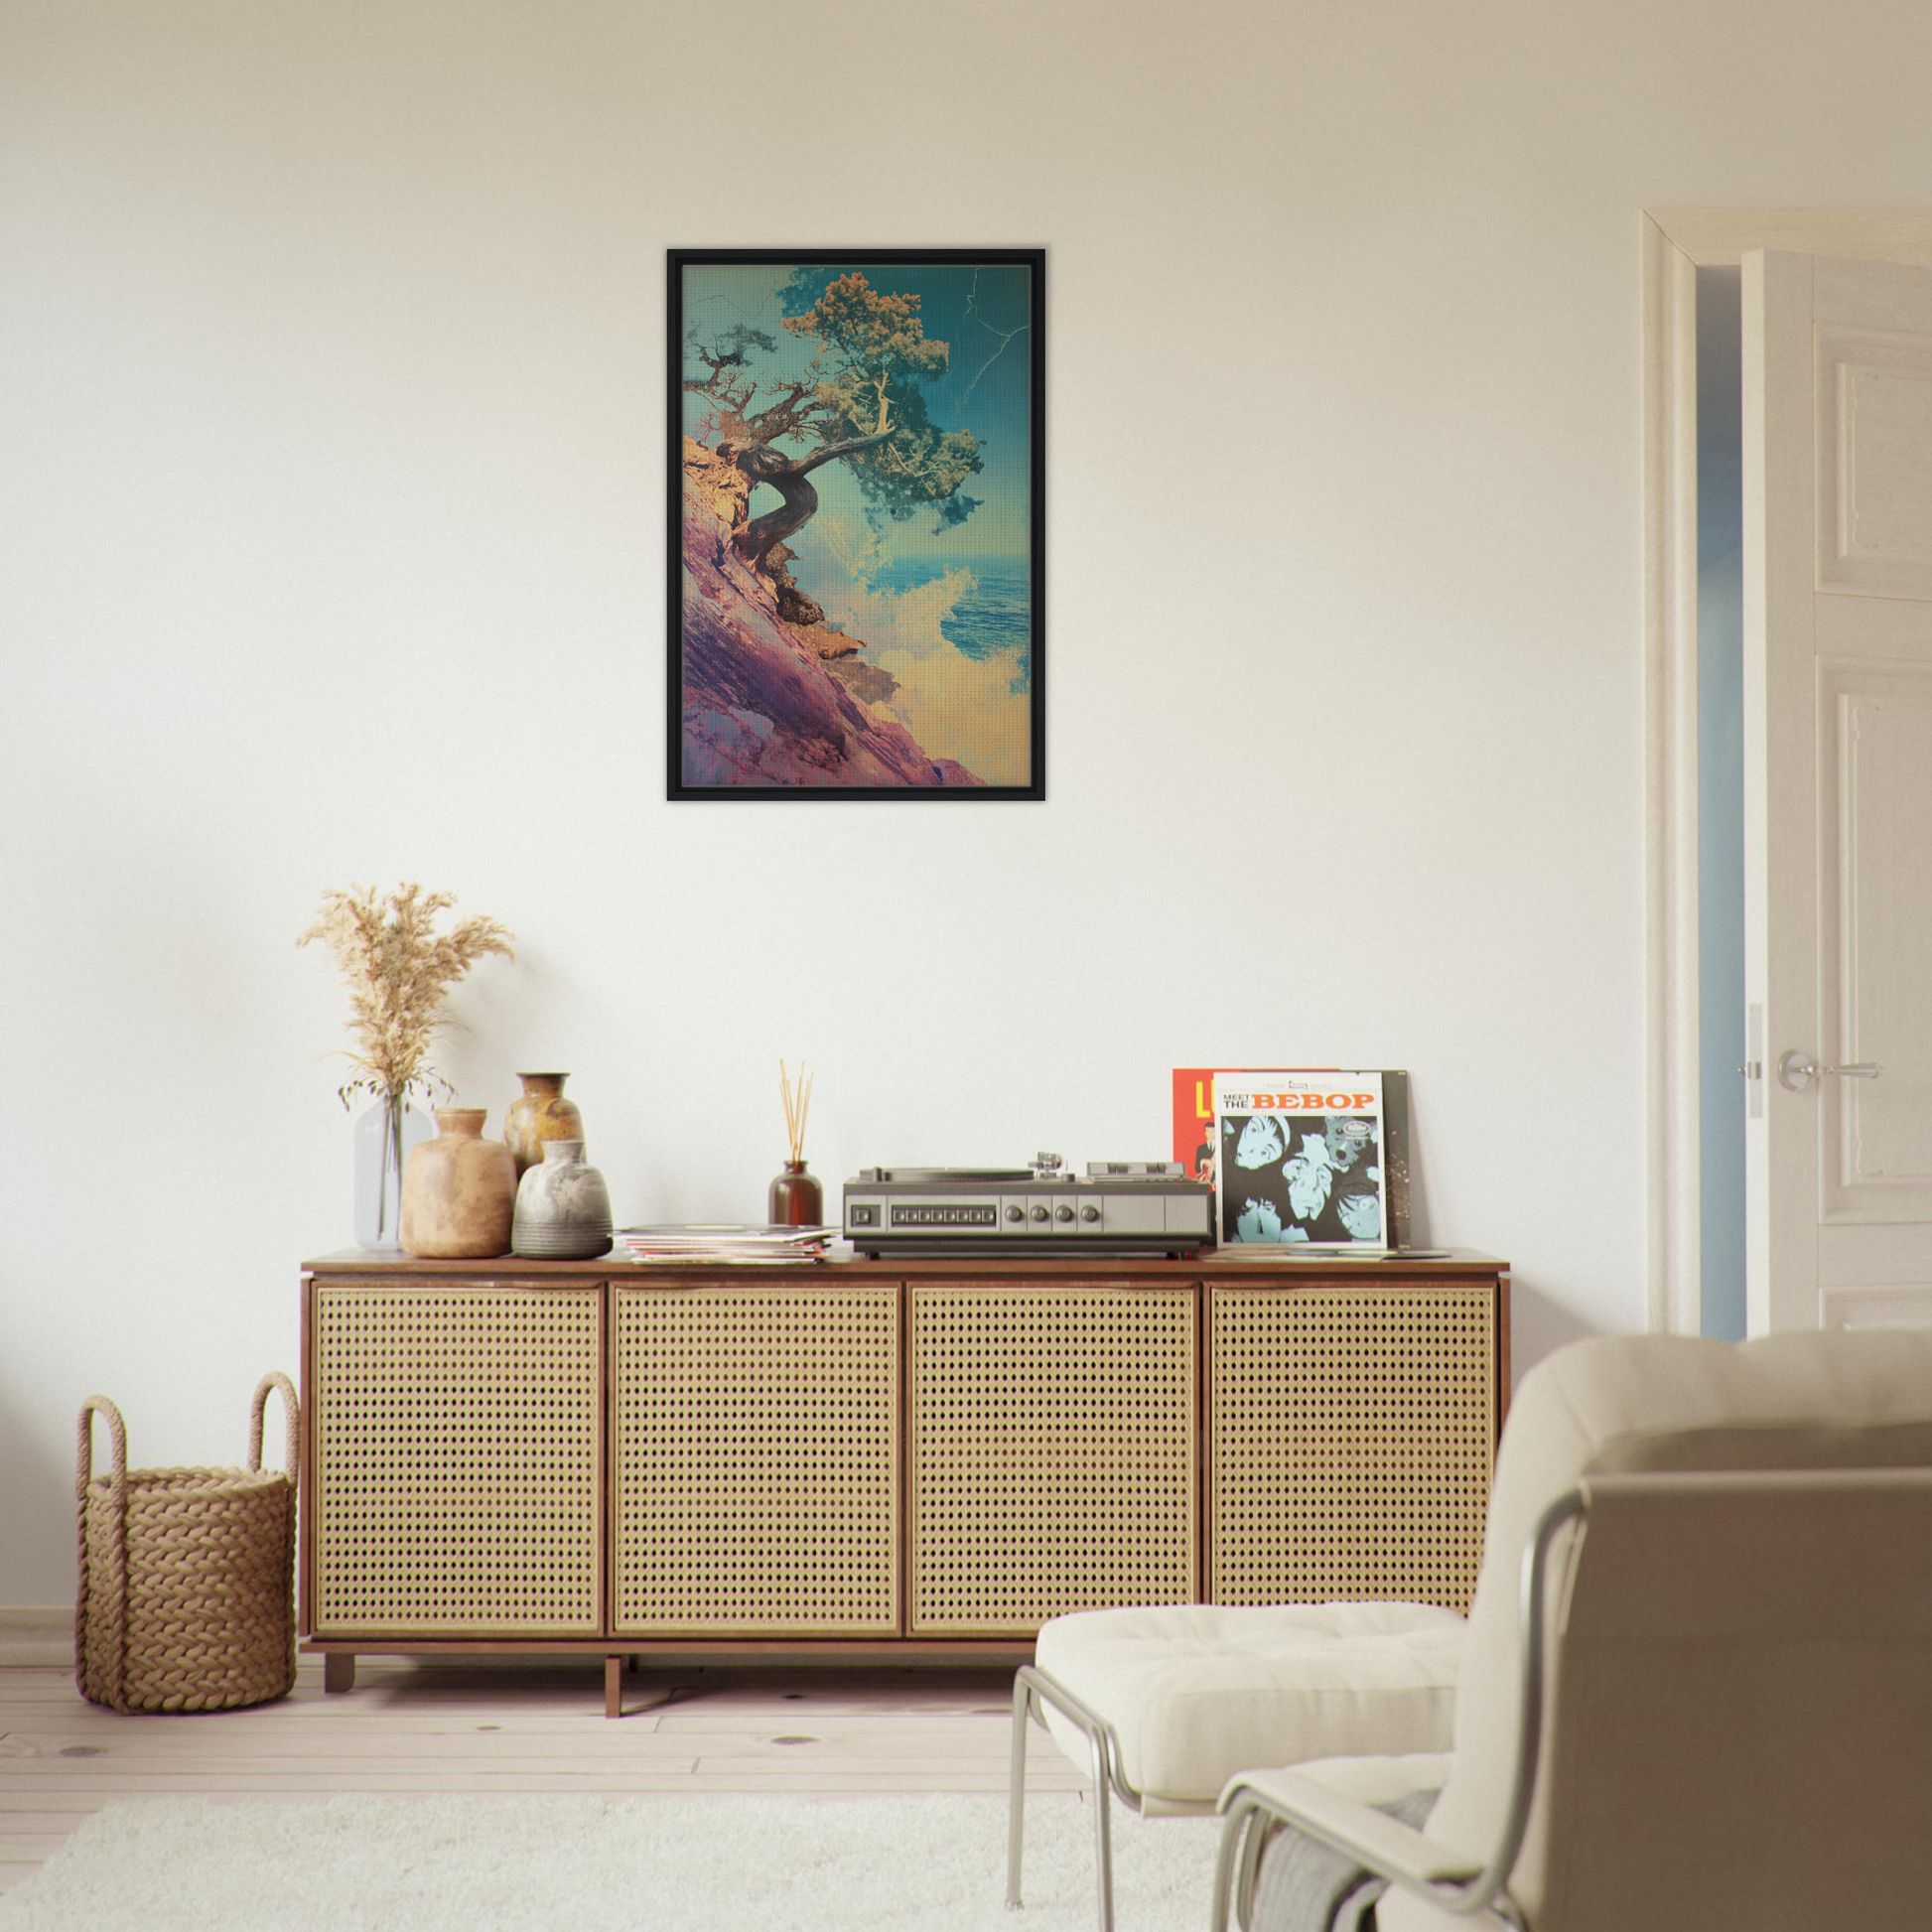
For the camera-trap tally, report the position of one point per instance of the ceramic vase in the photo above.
(539, 1114)
(796, 1200)
(563, 1208)
(385, 1136)
(459, 1190)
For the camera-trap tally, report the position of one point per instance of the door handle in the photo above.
(1797, 1069)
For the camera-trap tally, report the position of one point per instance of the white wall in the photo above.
(331, 412)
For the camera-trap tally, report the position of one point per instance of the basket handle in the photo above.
(112, 1640)
(117, 1433)
(292, 1411)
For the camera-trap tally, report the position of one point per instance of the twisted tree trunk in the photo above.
(786, 474)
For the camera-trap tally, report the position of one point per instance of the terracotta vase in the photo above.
(540, 1114)
(563, 1208)
(796, 1200)
(459, 1190)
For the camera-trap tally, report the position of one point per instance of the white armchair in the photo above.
(1697, 1684)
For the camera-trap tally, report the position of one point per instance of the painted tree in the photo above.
(861, 399)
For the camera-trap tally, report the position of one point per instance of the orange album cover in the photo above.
(1194, 1112)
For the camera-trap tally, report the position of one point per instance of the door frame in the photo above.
(1676, 242)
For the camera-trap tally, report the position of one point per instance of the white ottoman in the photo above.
(1165, 1704)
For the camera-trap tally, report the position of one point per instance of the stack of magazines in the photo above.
(707, 1242)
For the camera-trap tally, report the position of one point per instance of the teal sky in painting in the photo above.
(980, 312)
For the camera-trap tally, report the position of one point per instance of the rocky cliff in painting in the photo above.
(763, 705)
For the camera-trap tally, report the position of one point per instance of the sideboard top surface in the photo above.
(1222, 1266)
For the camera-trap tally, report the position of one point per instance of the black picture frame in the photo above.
(835, 724)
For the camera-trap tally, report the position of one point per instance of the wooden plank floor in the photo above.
(509, 1727)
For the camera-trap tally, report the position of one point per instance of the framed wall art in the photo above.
(857, 537)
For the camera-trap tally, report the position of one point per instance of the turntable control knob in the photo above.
(1040, 1214)
(1089, 1213)
(1063, 1213)
(1016, 1212)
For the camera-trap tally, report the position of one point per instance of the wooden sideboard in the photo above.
(880, 1459)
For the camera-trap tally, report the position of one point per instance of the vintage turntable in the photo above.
(1118, 1207)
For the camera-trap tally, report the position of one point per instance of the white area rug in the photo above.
(764, 1863)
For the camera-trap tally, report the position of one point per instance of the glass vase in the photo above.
(385, 1135)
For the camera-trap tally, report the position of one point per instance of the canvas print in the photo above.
(856, 524)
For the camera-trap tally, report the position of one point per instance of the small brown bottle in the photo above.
(797, 1200)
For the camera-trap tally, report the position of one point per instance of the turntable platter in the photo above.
(935, 1175)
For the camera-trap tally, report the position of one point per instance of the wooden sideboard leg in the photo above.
(614, 1686)
(338, 1670)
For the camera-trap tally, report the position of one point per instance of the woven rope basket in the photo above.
(186, 1575)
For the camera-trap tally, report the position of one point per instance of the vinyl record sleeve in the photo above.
(1196, 1145)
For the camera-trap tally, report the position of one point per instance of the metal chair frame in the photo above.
(1031, 1689)
(1253, 1816)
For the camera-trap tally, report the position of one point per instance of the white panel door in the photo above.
(1838, 777)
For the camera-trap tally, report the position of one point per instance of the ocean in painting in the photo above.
(993, 615)
(951, 633)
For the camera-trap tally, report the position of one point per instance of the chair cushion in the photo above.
(1198, 1692)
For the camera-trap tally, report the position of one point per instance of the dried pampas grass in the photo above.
(398, 969)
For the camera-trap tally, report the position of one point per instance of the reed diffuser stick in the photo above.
(797, 1104)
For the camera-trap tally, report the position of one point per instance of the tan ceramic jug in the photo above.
(459, 1190)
